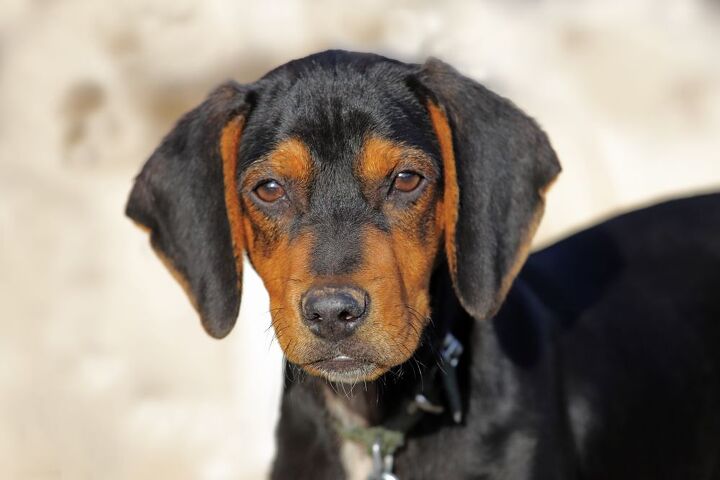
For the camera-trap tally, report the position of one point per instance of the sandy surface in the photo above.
(104, 369)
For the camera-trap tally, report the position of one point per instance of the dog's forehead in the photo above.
(333, 109)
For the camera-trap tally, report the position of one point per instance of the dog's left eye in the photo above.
(407, 181)
(270, 191)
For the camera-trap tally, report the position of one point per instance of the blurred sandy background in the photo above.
(105, 372)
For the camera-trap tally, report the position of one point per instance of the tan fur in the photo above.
(451, 193)
(285, 273)
(229, 143)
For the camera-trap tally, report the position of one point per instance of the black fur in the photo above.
(187, 220)
(503, 161)
(601, 363)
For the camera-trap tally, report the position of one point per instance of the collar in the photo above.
(382, 441)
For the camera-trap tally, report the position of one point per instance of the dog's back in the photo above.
(637, 303)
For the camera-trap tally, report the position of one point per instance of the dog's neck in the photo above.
(373, 403)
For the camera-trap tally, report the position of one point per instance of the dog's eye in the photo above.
(270, 191)
(407, 181)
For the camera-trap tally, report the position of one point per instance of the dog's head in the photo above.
(346, 178)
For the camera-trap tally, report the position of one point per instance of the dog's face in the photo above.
(346, 178)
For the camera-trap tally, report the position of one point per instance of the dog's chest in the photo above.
(355, 460)
(354, 457)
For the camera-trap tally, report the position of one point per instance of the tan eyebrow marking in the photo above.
(291, 159)
(380, 156)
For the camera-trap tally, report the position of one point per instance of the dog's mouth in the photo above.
(363, 356)
(346, 369)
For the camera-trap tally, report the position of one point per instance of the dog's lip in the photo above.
(344, 369)
(340, 363)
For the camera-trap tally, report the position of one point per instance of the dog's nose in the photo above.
(334, 313)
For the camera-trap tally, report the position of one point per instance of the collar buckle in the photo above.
(423, 404)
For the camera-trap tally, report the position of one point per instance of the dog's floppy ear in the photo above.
(186, 196)
(497, 166)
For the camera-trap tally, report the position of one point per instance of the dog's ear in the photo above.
(497, 166)
(186, 196)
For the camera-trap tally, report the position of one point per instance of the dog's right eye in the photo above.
(407, 181)
(269, 191)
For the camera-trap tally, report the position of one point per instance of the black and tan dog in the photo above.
(389, 209)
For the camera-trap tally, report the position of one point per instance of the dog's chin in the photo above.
(344, 369)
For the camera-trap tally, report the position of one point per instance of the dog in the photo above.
(389, 209)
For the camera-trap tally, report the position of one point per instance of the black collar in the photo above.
(440, 383)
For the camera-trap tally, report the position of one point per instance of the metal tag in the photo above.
(382, 467)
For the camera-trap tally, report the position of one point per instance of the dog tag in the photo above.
(382, 467)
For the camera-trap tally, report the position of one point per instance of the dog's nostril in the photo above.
(344, 315)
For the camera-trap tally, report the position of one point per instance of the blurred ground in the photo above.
(104, 369)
